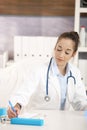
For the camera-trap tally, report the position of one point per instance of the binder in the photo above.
(17, 48)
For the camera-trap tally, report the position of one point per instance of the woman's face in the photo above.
(64, 51)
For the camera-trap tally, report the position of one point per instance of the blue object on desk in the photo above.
(27, 121)
(3, 111)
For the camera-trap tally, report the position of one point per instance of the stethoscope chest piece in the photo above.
(47, 98)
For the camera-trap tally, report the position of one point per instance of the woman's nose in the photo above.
(62, 54)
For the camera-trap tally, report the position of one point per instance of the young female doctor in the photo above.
(57, 84)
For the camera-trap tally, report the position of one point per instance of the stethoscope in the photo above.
(47, 98)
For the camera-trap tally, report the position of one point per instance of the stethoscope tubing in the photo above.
(47, 98)
(48, 75)
(71, 76)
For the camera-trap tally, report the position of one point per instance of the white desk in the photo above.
(55, 120)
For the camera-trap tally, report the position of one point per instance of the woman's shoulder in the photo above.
(40, 67)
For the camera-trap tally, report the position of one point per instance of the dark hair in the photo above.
(70, 35)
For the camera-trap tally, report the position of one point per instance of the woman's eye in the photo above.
(59, 50)
(67, 53)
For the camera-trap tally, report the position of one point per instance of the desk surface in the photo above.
(55, 120)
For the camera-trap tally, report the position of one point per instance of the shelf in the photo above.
(82, 10)
(82, 49)
(81, 57)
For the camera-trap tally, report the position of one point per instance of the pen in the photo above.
(12, 106)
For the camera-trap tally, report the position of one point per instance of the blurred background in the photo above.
(34, 18)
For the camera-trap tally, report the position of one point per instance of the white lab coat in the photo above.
(33, 91)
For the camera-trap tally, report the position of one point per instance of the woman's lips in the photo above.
(59, 59)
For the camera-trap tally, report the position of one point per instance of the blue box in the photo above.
(27, 121)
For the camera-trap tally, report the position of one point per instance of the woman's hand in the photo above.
(11, 113)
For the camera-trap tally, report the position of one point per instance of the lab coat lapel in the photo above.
(70, 89)
(55, 83)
